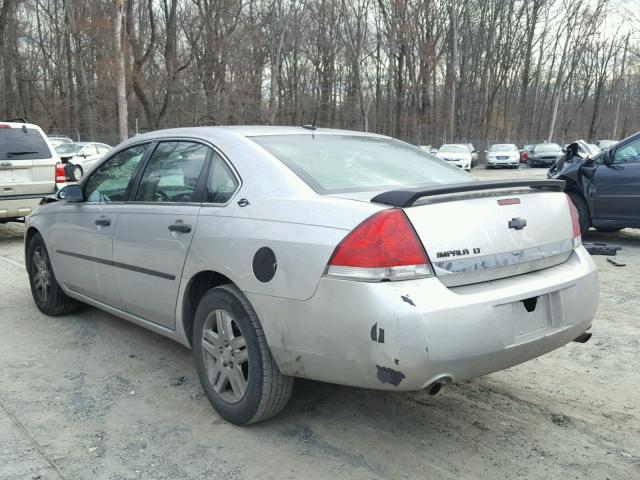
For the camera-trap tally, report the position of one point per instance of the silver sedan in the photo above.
(344, 257)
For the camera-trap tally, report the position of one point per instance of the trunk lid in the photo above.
(27, 164)
(483, 236)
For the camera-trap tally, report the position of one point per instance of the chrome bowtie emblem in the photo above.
(517, 223)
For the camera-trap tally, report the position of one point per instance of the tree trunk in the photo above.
(121, 87)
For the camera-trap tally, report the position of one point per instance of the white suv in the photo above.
(27, 169)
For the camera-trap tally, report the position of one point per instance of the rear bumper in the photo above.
(18, 206)
(406, 335)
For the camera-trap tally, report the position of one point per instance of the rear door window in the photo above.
(23, 144)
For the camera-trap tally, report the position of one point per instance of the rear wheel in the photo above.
(46, 292)
(583, 211)
(234, 363)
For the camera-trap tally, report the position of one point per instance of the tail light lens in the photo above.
(61, 176)
(575, 223)
(383, 247)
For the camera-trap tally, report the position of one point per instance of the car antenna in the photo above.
(313, 125)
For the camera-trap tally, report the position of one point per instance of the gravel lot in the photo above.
(90, 396)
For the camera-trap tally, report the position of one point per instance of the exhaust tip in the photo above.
(584, 338)
(435, 389)
(436, 386)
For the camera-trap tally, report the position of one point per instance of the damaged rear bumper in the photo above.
(407, 335)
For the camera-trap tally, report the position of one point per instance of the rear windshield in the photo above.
(346, 163)
(22, 144)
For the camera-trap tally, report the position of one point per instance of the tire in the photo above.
(583, 211)
(248, 387)
(77, 173)
(47, 293)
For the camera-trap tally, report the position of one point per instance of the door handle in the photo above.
(103, 222)
(180, 228)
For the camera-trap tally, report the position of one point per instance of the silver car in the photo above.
(344, 257)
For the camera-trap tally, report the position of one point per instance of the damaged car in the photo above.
(338, 256)
(603, 185)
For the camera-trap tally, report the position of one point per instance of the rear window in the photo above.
(346, 163)
(22, 144)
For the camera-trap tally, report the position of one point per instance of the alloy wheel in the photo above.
(41, 273)
(77, 173)
(225, 355)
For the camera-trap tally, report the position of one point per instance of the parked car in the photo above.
(82, 155)
(55, 140)
(27, 169)
(544, 154)
(457, 154)
(474, 155)
(338, 256)
(594, 147)
(604, 144)
(525, 152)
(503, 155)
(603, 185)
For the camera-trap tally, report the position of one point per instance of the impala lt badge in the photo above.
(517, 223)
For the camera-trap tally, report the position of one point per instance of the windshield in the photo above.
(503, 147)
(548, 147)
(454, 149)
(346, 163)
(68, 148)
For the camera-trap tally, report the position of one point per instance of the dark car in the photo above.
(544, 154)
(605, 188)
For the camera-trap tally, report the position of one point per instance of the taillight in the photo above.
(575, 223)
(61, 176)
(383, 247)
(4, 125)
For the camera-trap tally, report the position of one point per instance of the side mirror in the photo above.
(607, 157)
(70, 193)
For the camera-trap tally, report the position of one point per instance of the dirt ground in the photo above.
(90, 396)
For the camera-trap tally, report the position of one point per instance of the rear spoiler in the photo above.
(407, 197)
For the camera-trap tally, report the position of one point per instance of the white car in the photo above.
(83, 155)
(457, 154)
(28, 169)
(503, 155)
(56, 140)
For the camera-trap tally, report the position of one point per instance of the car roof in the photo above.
(20, 125)
(228, 132)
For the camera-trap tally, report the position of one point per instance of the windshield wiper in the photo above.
(13, 154)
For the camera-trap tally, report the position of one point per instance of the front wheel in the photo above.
(584, 218)
(77, 173)
(46, 292)
(234, 363)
